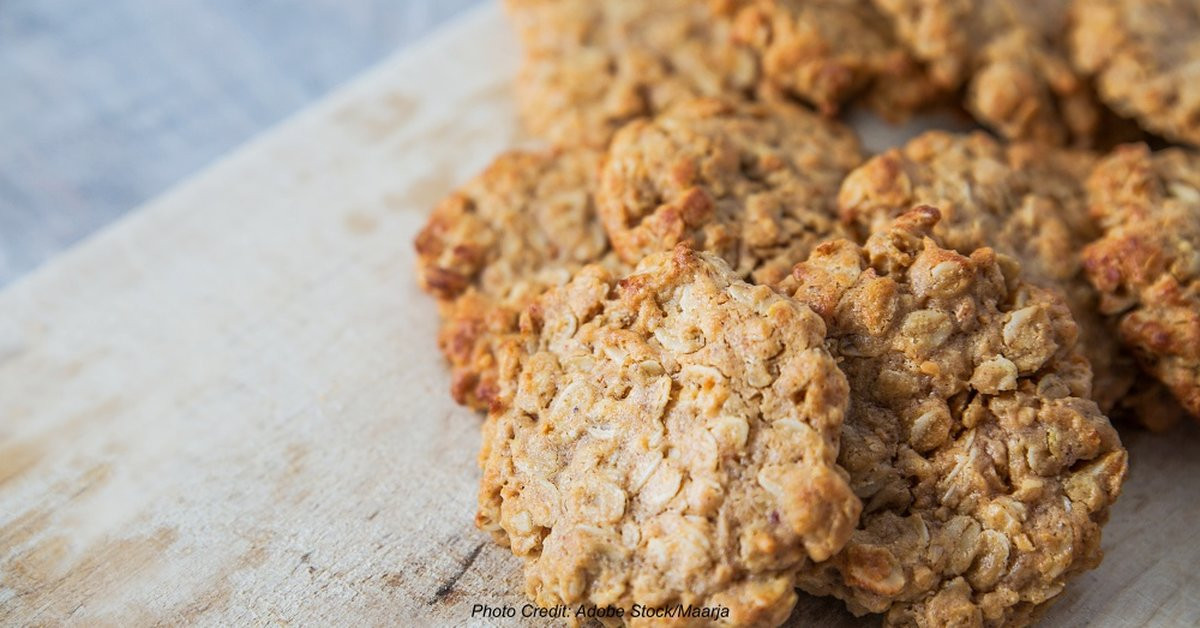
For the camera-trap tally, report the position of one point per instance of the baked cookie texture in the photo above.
(671, 439)
(826, 53)
(1144, 55)
(1147, 264)
(1011, 56)
(589, 67)
(525, 223)
(1024, 200)
(984, 470)
(753, 183)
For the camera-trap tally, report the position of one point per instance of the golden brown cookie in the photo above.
(671, 440)
(984, 470)
(1147, 264)
(1024, 200)
(1010, 55)
(1144, 55)
(824, 53)
(525, 223)
(589, 67)
(753, 183)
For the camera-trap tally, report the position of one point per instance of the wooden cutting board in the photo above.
(229, 408)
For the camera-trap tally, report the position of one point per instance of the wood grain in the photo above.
(108, 103)
(229, 409)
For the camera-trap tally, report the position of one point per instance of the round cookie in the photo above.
(753, 183)
(1147, 264)
(1143, 55)
(671, 440)
(1025, 200)
(985, 472)
(825, 53)
(1012, 58)
(525, 223)
(590, 67)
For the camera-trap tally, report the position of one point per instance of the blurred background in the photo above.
(107, 104)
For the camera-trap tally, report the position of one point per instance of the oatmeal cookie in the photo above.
(753, 183)
(1024, 200)
(984, 470)
(824, 53)
(589, 67)
(1144, 55)
(671, 440)
(525, 223)
(1147, 265)
(1012, 58)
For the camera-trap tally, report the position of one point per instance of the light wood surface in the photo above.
(228, 408)
(107, 104)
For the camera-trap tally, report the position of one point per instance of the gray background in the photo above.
(104, 104)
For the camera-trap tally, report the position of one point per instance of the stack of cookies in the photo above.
(724, 355)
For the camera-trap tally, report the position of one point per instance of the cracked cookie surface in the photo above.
(1145, 57)
(753, 183)
(525, 223)
(1147, 264)
(1024, 200)
(1012, 58)
(984, 470)
(671, 439)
